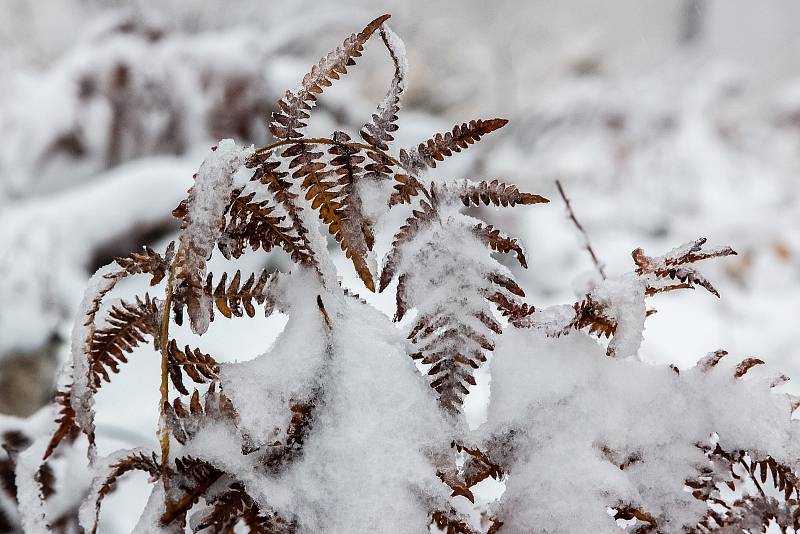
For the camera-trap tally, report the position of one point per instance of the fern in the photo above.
(316, 416)
(438, 147)
(295, 106)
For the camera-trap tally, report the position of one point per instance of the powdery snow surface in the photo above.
(365, 463)
(558, 405)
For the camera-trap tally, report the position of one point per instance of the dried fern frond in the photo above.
(128, 324)
(419, 219)
(435, 149)
(353, 231)
(148, 262)
(454, 353)
(774, 501)
(500, 242)
(231, 297)
(495, 193)
(678, 265)
(203, 221)
(515, 311)
(594, 316)
(185, 420)
(257, 225)
(134, 461)
(378, 132)
(267, 173)
(282, 453)
(405, 188)
(294, 106)
(745, 365)
(235, 506)
(477, 465)
(710, 360)
(199, 366)
(65, 422)
(452, 522)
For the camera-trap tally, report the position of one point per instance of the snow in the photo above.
(204, 222)
(82, 390)
(364, 389)
(556, 402)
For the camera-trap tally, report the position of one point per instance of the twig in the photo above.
(578, 225)
(164, 389)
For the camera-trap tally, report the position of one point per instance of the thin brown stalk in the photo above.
(579, 226)
(164, 401)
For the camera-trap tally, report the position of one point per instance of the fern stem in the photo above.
(324, 141)
(188, 500)
(164, 346)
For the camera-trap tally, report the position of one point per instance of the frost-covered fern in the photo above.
(350, 423)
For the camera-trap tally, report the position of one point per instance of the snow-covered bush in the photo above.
(334, 429)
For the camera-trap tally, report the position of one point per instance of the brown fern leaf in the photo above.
(184, 421)
(496, 240)
(320, 188)
(745, 365)
(378, 132)
(419, 219)
(137, 461)
(405, 189)
(451, 522)
(194, 477)
(454, 350)
(750, 510)
(496, 193)
(127, 326)
(440, 146)
(678, 265)
(516, 312)
(234, 506)
(148, 262)
(65, 422)
(268, 174)
(230, 298)
(591, 314)
(380, 166)
(350, 228)
(627, 513)
(255, 225)
(294, 107)
(199, 366)
(477, 465)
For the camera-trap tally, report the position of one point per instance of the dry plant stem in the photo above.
(580, 228)
(753, 478)
(164, 346)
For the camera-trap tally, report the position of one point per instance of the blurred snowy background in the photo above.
(665, 121)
